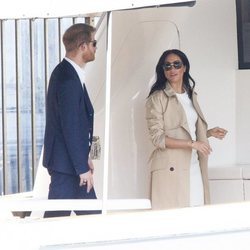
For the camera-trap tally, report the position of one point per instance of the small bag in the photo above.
(95, 150)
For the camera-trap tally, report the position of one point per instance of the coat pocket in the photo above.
(162, 159)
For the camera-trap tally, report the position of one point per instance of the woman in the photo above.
(178, 130)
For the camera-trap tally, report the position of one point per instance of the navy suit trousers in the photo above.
(65, 186)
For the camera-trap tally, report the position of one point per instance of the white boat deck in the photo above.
(210, 227)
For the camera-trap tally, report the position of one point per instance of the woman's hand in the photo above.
(217, 132)
(202, 147)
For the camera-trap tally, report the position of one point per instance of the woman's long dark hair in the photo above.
(161, 80)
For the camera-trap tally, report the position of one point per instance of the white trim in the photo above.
(54, 8)
(32, 204)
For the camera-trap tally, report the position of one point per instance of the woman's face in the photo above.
(174, 69)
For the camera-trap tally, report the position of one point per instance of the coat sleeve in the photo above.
(155, 108)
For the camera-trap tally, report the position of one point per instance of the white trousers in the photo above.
(196, 184)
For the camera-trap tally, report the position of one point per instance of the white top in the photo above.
(190, 112)
(196, 185)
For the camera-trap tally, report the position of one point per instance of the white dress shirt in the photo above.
(80, 71)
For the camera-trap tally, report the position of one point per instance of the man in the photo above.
(69, 122)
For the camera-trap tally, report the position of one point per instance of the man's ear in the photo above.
(83, 47)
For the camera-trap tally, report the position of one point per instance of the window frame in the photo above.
(242, 50)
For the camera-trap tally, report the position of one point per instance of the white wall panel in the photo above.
(139, 37)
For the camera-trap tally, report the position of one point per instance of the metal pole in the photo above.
(4, 115)
(107, 113)
(18, 110)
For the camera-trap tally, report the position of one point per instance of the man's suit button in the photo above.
(171, 169)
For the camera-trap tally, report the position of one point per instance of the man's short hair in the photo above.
(77, 34)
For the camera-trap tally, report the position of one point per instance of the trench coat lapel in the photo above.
(197, 107)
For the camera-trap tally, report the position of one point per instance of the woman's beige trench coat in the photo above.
(170, 168)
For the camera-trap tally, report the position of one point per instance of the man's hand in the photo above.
(87, 179)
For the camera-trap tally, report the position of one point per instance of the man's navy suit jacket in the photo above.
(69, 122)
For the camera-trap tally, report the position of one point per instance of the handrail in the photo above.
(8, 205)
